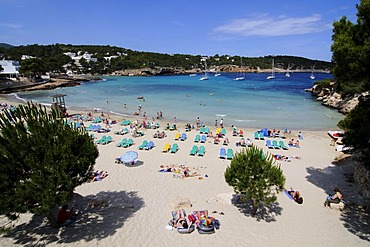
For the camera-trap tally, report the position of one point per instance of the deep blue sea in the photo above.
(255, 102)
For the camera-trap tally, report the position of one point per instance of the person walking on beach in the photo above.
(198, 122)
(216, 123)
(222, 123)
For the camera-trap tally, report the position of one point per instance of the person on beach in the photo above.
(180, 221)
(167, 168)
(300, 136)
(216, 123)
(291, 143)
(98, 176)
(222, 123)
(296, 196)
(336, 198)
(65, 215)
(296, 144)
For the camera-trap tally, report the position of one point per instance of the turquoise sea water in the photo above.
(255, 102)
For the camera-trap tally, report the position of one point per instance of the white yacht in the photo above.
(312, 77)
(205, 76)
(241, 77)
(272, 75)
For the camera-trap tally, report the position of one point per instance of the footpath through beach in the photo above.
(132, 205)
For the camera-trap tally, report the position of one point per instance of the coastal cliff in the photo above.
(330, 98)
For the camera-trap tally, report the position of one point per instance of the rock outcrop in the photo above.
(330, 98)
(25, 85)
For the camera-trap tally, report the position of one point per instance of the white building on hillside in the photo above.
(24, 57)
(88, 57)
(10, 68)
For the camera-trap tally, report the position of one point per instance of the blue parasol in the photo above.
(129, 157)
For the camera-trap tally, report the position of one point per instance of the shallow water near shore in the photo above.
(253, 103)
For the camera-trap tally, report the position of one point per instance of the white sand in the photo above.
(141, 199)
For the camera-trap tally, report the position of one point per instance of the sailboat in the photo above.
(205, 76)
(287, 71)
(312, 77)
(272, 76)
(241, 77)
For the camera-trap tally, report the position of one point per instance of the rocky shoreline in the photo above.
(24, 84)
(332, 99)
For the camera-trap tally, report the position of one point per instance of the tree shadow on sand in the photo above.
(265, 213)
(100, 216)
(353, 215)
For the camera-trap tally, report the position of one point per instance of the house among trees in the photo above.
(10, 69)
(86, 56)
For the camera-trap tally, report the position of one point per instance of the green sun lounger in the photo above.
(194, 150)
(102, 139)
(229, 154)
(201, 151)
(129, 143)
(143, 145)
(269, 144)
(121, 132)
(122, 143)
(256, 135)
(223, 131)
(261, 136)
(125, 122)
(275, 144)
(107, 140)
(283, 146)
(174, 148)
(197, 138)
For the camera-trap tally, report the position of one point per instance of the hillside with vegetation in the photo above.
(52, 58)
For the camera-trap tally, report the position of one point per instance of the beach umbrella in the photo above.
(129, 157)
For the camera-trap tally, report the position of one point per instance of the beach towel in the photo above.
(288, 195)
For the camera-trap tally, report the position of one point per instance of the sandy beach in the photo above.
(139, 199)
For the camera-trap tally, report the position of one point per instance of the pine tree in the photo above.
(256, 176)
(42, 160)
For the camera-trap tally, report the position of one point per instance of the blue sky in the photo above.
(202, 27)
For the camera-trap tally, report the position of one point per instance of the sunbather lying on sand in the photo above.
(296, 196)
(99, 175)
(167, 168)
(182, 171)
(285, 158)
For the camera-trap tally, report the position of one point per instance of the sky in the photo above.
(197, 27)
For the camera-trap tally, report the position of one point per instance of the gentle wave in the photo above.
(119, 114)
(18, 97)
(244, 120)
